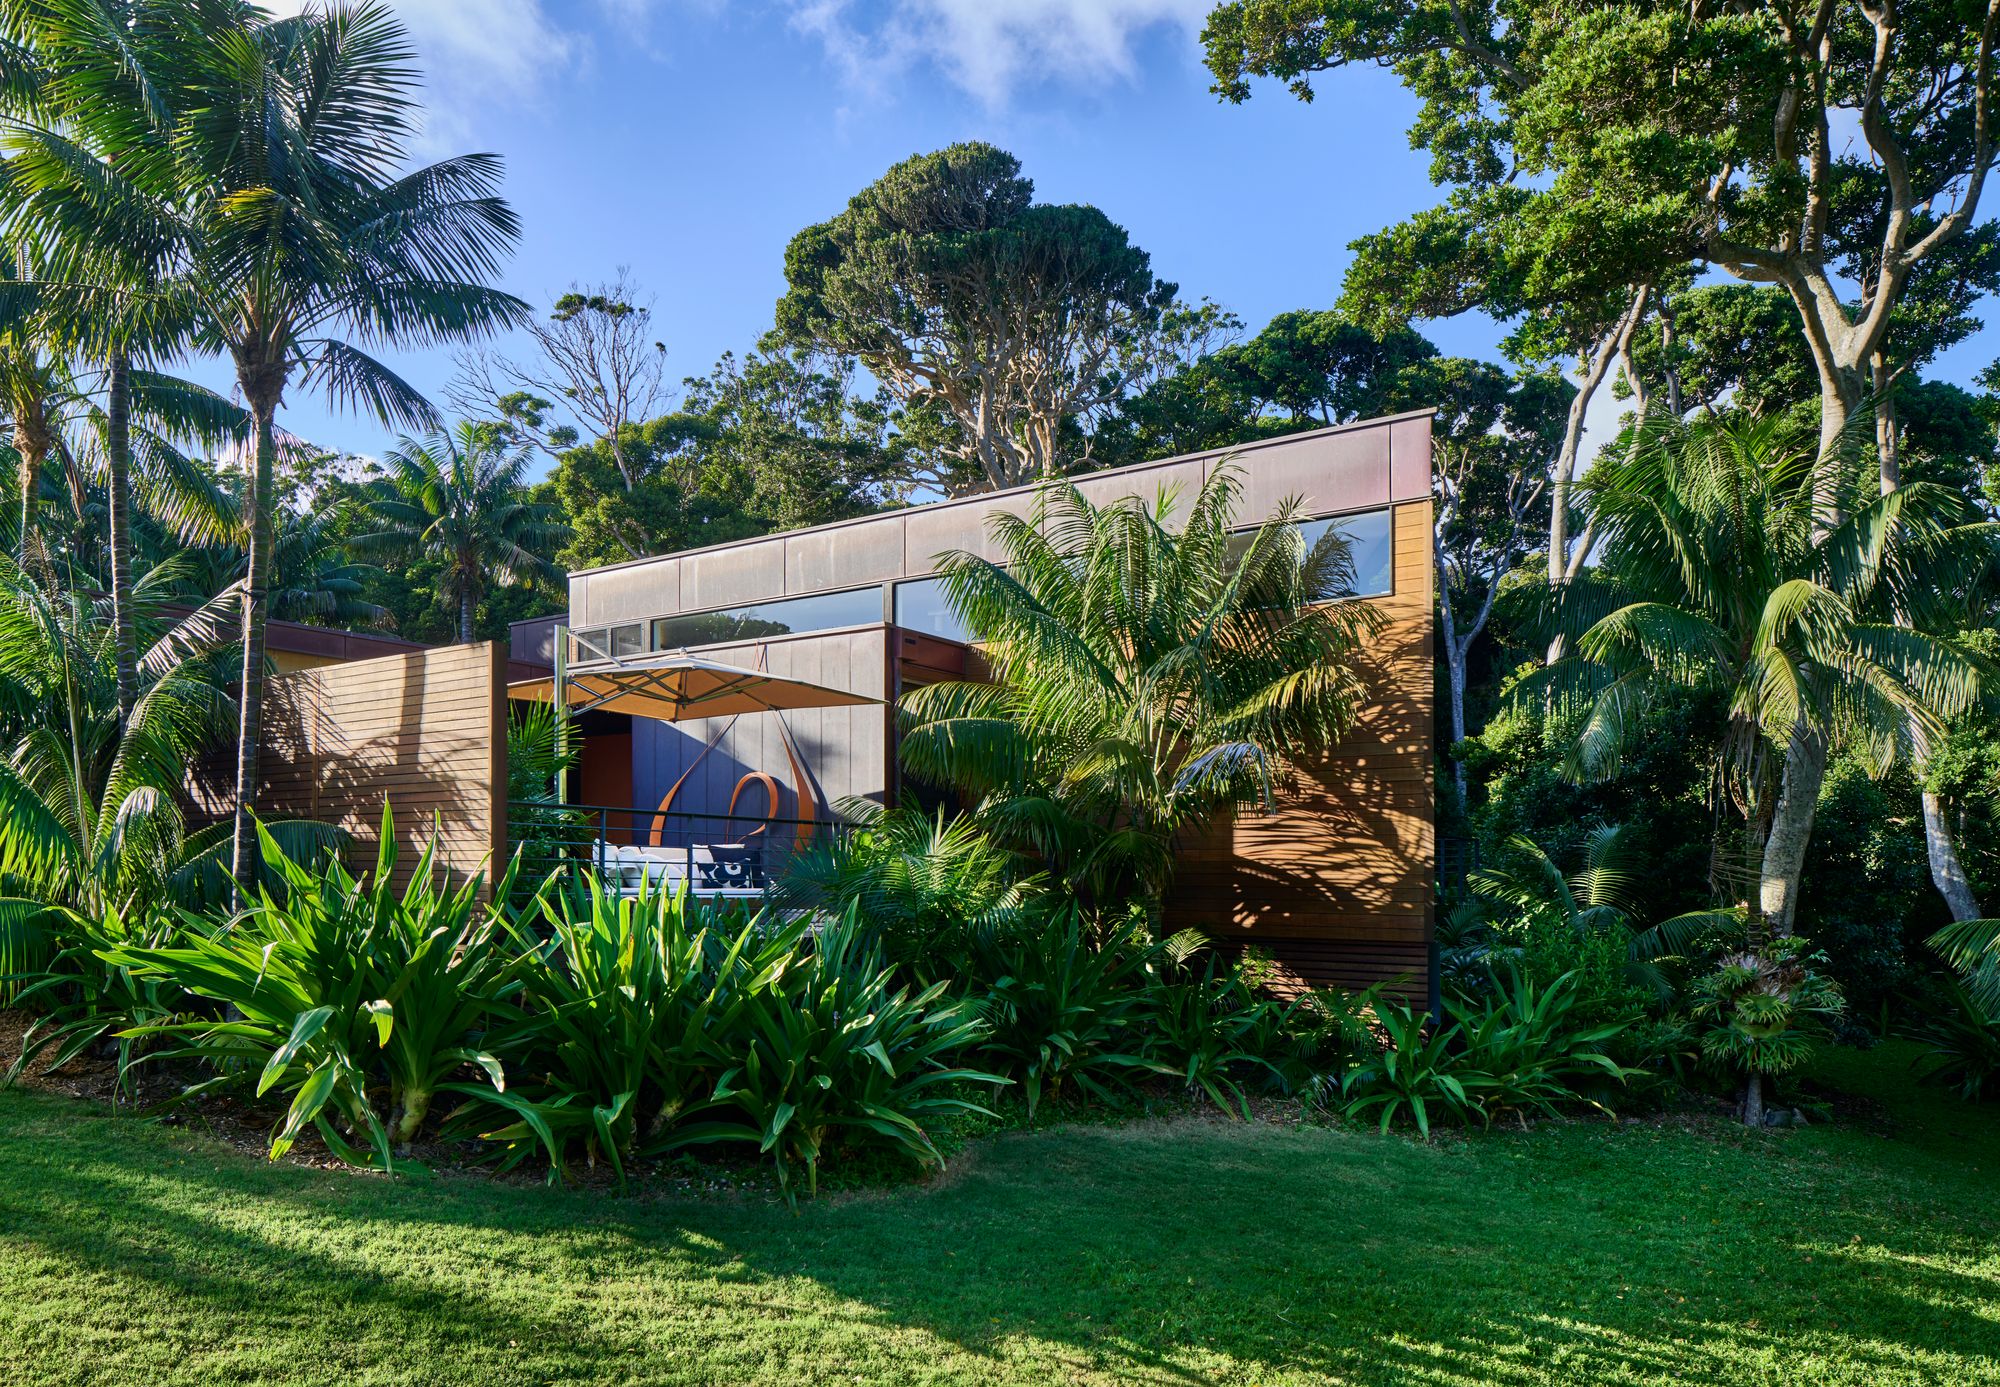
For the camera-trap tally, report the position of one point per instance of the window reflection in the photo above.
(824, 611)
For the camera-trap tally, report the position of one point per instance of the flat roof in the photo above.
(982, 497)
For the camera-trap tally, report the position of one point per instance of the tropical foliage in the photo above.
(1151, 666)
(455, 497)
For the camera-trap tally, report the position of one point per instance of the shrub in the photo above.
(1962, 1037)
(605, 1049)
(650, 1025)
(925, 885)
(1059, 1007)
(1210, 1029)
(1534, 1048)
(337, 986)
(1761, 1010)
(817, 1042)
(1411, 1075)
(83, 997)
(1522, 1049)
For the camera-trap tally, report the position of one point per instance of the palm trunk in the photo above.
(31, 445)
(1753, 1101)
(256, 597)
(1791, 831)
(465, 610)
(118, 487)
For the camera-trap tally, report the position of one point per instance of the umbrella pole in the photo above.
(562, 715)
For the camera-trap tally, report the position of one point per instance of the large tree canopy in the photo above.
(1834, 150)
(956, 289)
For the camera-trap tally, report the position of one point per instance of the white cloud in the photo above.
(483, 53)
(993, 49)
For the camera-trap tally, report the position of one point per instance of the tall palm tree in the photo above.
(459, 498)
(1150, 668)
(1718, 575)
(250, 165)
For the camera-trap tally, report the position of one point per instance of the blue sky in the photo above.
(689, 140)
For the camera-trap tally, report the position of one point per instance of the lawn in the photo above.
(1172, 1252)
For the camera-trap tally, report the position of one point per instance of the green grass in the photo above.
(1180, 1252)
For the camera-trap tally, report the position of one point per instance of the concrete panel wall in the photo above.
(426, 732)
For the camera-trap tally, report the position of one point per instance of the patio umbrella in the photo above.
(680, 687)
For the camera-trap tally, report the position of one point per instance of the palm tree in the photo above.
(1604, 895)
(1719, 576)
(459, 499)
(1148, 673)
(89, 802)
(249, 164)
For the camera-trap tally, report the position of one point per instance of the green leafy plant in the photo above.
(1962, 1039)
(82, 997)
(1761, 1012)
(607, 1047)
(1527, 1048)
(925, 885)
(1411, 1076)
(1060, 1008)
(341, 991)
(1210, 1029)
(1577, 922)
(821, 1045)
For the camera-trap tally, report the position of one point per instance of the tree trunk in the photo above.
(118, 488)
(465, 611)
(256, 597)
(1455, 662)
(1947, 872)
(1753, 1100)
(31, 445)
(1791, 830)
(1563, 563)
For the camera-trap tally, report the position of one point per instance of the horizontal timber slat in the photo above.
(1337, 885)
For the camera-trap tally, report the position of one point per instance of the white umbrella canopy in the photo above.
(681, 687)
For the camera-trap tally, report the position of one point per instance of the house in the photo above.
(1335, 886)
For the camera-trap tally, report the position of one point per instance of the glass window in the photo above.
(823, 611)
(921, 606)
(628, 640)
(1368, 545)
(592, 643)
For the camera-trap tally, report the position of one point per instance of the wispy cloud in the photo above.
(478, 54)
(992, 49)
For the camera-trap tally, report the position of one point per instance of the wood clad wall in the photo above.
(425, 731)
(1337, 885)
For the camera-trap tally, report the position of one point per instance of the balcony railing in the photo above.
(627, 849)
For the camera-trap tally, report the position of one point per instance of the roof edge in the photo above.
(1233, 450)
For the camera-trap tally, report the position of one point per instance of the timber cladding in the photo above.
(425, 732)
(1337, 884)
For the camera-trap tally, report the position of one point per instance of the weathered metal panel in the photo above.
(630, 594)
(734, 576)
(963, 525)
(1184, 478)
(1410, 459)
(846, 557)
(1333, 472)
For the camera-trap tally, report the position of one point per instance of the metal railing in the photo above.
(625, 847)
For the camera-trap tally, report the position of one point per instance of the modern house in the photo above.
(1335, 886)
